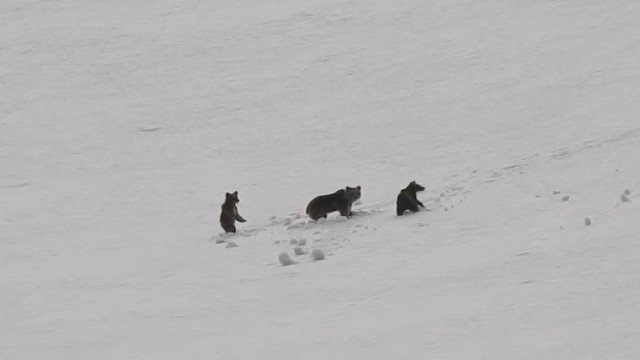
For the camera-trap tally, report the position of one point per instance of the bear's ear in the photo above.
(358, 187)
(413, 182)
(235, 193)
(227, 195)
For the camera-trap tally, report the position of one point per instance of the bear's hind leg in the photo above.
(316, 215)
(229, 228)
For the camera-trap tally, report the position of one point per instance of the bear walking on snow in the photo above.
(229, 213)
(341, 201)
(407, 199)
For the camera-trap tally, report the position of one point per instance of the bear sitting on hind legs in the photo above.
(407, 199)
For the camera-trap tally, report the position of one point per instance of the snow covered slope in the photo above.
(122, 125)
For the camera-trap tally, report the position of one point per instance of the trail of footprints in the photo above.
(450, 194)
(302, 239)
(308, 240)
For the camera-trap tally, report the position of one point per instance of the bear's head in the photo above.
(415, 187)
(232, 198)
(353, 193)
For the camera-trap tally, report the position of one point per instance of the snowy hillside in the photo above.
(123, 124)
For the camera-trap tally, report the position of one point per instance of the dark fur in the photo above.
(407, 199)
(229, 213)
(341, 201)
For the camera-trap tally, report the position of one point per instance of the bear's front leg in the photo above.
(344, 211)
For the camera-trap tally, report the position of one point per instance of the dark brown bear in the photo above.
(229, 213)
(341, 201)
(407, 199)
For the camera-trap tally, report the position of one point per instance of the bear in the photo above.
(341, 201)
(229, 213)
(407, 199)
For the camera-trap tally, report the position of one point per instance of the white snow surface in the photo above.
(123, 123)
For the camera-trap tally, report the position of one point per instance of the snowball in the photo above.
(566, 198)
(302, 242)
(293, 242)
(317, 254)
(624, 198)
(587, 221)
(285, 259)
(556, 192)
(298, 251)
(231, 244)
(627, 192)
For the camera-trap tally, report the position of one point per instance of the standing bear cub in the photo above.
(407, 199)
(341, 201)
(229, 213)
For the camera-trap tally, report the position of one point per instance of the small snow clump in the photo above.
(317, 254)
(285, 259)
